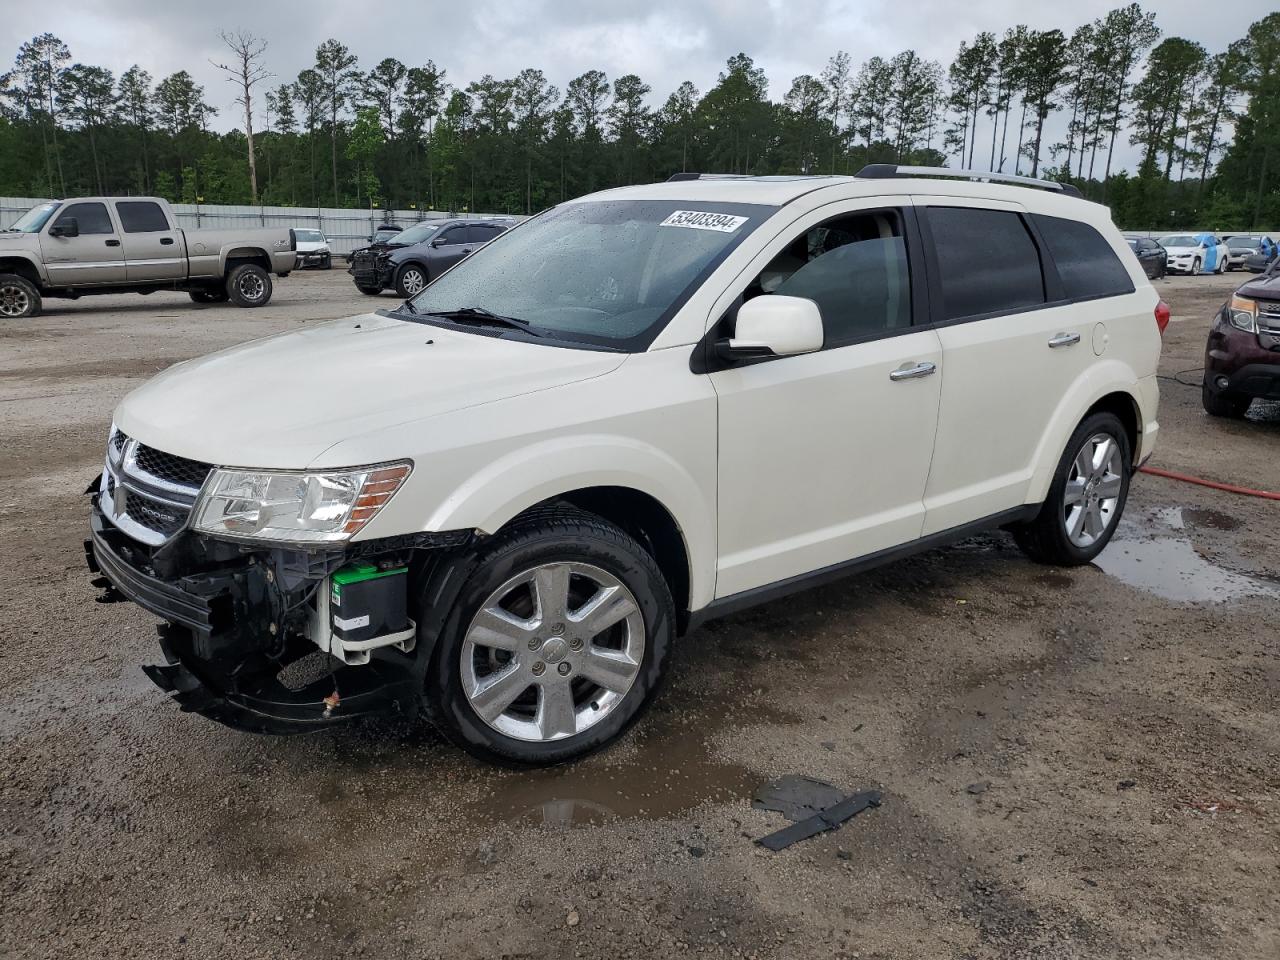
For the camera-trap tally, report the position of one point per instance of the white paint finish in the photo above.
(822, 458)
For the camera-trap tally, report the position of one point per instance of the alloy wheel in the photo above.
(14, 301)
(552, 652)
(1093, 490)
(413, 281)
(251, 286)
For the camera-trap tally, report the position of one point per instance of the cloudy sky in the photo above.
(664, 41)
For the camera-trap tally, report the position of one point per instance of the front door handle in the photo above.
(166, 241)
(913, 371)
(113, 243)
(1064, 339)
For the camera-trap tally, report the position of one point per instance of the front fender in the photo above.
(1102, 378)
(501, 490)
(31, 260)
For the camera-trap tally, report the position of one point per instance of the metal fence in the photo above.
(345, 229)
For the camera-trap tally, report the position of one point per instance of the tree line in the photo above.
(1206, 125)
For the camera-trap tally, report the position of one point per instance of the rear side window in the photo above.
(91, 218)
(987, 261)
(481, 233)
(141, 216)
(1089, 268)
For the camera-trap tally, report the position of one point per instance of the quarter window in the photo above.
(1089, 268)
(854, 268)
(91, 218)
(987, 260)
(141, 216)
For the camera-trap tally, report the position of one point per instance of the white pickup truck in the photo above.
(71, 248)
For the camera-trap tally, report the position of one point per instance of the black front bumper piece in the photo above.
(222, 658)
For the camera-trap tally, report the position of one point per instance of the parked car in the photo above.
(415, 257)
(503, 499)
(313, 248)
(89, 245)
(1152, 256)
(1195, 253)
(1243, 246)
(384, 232)
(1258, 262)
(1242, 355)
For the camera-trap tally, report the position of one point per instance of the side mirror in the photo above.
(438, 242)
(66, 227)
(774, 326)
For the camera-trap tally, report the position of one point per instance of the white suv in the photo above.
(504, 500)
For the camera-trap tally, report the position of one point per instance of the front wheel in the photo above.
(19, 298)
(1086, 496)
(410, 280)
(1195, 267)
(557, 642)
(249, 286)
(1222, 267)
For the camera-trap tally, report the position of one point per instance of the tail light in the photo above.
(1162, 316)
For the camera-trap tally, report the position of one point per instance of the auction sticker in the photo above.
(698, 220)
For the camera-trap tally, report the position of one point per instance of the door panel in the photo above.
(823, 458)
(153, 249)
(94, 257)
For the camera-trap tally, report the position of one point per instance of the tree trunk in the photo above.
(1208, 149)
(333, 152)
(97, 170)
(1115, 126)
(1071, 135)
(1022, 129)
(1262, 187)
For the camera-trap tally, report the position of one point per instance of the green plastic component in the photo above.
(362, 572)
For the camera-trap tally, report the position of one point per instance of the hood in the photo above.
(306, 246)
(1182, 251)
(1263, 288)
(12, 240)
(283, 401)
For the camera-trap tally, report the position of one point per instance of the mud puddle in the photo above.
(1156, 553)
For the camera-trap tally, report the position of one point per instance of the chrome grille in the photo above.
(146, 492)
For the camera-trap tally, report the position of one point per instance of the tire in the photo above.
(368, 291)
(410, 279)
(208, 296)
(1047, 538)
(249, 285)
(1229, 405)
(1195, 267)
(327, 262)
(19, 298)
(1222, 267)
(559, 552)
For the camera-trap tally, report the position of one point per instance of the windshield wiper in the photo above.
(481, 315)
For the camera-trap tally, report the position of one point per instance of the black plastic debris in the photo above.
(827, 819)
(796, 797)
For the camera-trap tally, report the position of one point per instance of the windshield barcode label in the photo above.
(723, 222)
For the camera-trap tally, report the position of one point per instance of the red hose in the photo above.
(1229, 487)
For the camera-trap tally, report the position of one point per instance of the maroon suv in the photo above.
(1242, 358)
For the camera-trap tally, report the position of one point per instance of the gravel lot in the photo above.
(1077, 763)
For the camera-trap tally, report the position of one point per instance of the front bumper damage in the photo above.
(239, 625)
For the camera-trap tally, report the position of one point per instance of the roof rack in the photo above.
(887, 171)
(675, 177)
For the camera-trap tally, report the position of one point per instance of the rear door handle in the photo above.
(113, 243)
(167, 241)
(913, 371)
(1064, 339)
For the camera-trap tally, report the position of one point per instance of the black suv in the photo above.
(416, 256)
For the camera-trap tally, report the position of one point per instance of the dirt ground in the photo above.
(1074, 763)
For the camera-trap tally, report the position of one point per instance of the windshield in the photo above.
(422, 231)
(35, 218)
(1244, 241)
(610, 273)
(1133, 243)
(308, 236)
(1179, 240)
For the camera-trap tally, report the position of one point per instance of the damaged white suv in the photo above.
(502, 501)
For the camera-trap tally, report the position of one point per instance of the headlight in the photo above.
(323, 507)
(1243, 313)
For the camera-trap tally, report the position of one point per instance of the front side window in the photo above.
(91, 218)
(1087, 265)
(988, 262)
(609, 273)
(141, 216)
(453, 236)
(854, 268)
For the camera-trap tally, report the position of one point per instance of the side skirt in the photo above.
(807, 581)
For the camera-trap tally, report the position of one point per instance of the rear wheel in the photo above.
(1229, 405)
(557, 642)
(410, 280)
(249, 286)
(19, 298)
(1086, 496)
